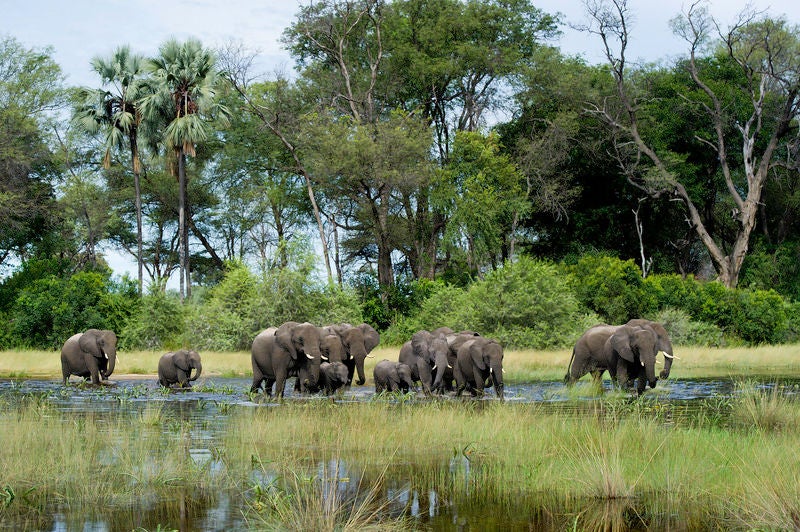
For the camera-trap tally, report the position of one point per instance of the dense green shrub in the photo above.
(157, 323)
(610, 287)
(685, 331)
(760, 316)
(51, 309)
(523, 304)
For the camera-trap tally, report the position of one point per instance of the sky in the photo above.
(79, 30)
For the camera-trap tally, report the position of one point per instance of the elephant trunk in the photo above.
(112, 360)
(650, 371)
(496, 370)
(668, 358)
(441, 366)
(198, 370)
(360, 369)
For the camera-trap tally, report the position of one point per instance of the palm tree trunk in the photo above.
(182, 221)
(138, 202)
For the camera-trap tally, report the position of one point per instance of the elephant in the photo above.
(589, 356)
(332, 376)
(424, 354)
(392, 376)
(91, 355)
(291, 349)
(478, 360)
(627, 351)
(357, 341)
(454, 341)
(663, 345)
(176, 368)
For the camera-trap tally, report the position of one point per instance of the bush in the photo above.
(760, 316)
(684, 331)
(525, 304)
(51, 309)
(157, 323)
(611, 287)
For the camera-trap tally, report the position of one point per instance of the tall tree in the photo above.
(185, 97)
(114, 110)
(767, 98)
(30, 90)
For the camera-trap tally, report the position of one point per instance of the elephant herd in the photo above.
(328, 358)
(93, 354)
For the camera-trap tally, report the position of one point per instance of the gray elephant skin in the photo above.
(291, 349)
(454, 341)
(356, 344)
(392, 377)
(332, 376)
(91, 354)
(176, 368)
(479, 360)
(426, 353)
(628, 352)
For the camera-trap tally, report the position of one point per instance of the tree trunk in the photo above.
(183, 277)
(138, 202)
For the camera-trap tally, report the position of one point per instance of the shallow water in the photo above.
(209, 404)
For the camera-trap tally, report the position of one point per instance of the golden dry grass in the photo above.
(520, 365)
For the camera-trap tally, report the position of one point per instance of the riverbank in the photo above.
(520, 366)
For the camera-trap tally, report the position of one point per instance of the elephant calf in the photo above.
(392, 376)
(176, 368)
(332, 376)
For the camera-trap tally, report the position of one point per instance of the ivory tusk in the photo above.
(449, 366)
(370, 356)
(658, 361)
(434, 367)
(642, 362)
(324, 357)
(667, 355)
(309, 356)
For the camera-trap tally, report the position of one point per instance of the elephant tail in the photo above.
(569, 367)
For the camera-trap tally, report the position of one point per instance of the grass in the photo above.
(520, 365)
(325, 465)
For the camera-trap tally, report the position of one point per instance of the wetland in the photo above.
(713, 453)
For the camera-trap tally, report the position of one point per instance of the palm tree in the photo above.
(184, 100)
(114, 110)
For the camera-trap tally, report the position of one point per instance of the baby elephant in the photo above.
(392, 376)
(332, 376)
(175, 368)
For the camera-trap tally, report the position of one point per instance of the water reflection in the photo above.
(200, 416)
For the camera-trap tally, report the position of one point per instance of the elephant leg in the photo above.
(280, 382)
(479, 381)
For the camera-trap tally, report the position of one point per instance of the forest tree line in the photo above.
(417, 145)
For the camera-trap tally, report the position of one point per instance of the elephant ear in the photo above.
(181, 359)
(284, 339)
(371, 337)
(89, 342)
(420, 342)
(620, 343)
(476, 354)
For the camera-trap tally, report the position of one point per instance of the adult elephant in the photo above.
(589, 354)
(454, 341)
(627, 352)
(663, 343)
(91, 354)
(357, 343)
(176, 368)
(478, 361)
(332, 376)
(632, 351)
(425, 353)
(291, 349)
(392, 376)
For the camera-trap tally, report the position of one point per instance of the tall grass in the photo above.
(735, 468)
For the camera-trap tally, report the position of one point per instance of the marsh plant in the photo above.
(763, 407)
